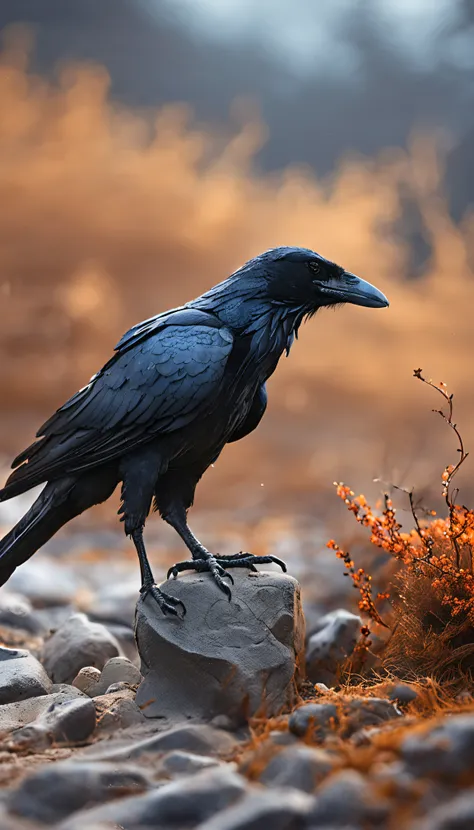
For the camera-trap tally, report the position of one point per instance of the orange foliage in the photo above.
(432, 593)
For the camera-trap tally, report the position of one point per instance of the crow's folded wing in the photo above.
(164, 382)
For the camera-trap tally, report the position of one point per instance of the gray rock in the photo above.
(457, 814)
(232, 658)
(116, 603)
(67, 690)
(21, 676)
(315, 720)
(402, 694)
(17, 612)
(279, 738)
(120, 714)
(178, 762)
(199, 739)
(126, 640)
(46, 583)
(55, 791)
(222, 722)
(367, 711)
(117, 687)
(78, 643)
(116, 670)
(394, 777)
(301, 767)
(15, 715)
(333, 640)
(118, 673)
(54, 616)
(347, 799)
(180, 804)
(64, 722)
(264, 810)
(87, 679)
(445, 750)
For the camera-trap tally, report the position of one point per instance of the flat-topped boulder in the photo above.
(236, 658)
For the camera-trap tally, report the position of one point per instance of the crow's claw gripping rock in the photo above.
(248, 560)
(167, 603)
(217, 565)
(209, 563)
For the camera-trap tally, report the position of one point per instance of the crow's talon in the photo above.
(216, 565)
(167, 603)
(182, 566)
(209, 564)
(223, 586)
(248, 560)
(219, 571)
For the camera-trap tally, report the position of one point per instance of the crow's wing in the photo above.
(171, 377)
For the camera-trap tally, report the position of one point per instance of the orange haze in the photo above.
(108, 216)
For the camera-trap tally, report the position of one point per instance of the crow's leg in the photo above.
(203, 560)
(139, 472)
(167, 603)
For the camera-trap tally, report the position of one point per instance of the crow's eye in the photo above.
(314, 267)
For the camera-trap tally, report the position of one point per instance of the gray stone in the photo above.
(402, 694)
(222, 722)
(46, 583)
(445, 750)
(17, 612)
(54, 616)
(55, 791)
(126, 640)
(346, 799)
(180, 804)
(78, 643)
(279, 738)
(366, 711)
(301, 767)
(197, 738)
(116, 670)
(118, 673)
(457, 814)
(178, 762)
(314, 720)
(264, 810)
(235, 658)
(333, 640)
(120, 714)
(21, 676)
(87, 679)
(15, 715)
(67, 690)
(117, 687)
(115, 603)
(64, 722)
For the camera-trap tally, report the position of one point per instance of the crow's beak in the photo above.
(351, 289)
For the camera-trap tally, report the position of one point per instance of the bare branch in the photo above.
(450, 495)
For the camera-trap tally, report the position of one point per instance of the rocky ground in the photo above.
(215, 726)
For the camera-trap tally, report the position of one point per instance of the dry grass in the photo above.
(429, 602)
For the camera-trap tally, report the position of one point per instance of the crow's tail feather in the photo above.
(46, 515)
(57, 504)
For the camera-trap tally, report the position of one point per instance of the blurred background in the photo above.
(149, 147)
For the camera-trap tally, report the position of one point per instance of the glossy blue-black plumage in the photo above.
(178, 388)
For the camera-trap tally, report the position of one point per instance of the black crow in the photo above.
(179, 387)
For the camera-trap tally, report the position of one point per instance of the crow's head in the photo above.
(298, 277)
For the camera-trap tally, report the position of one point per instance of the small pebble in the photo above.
(87, 679)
